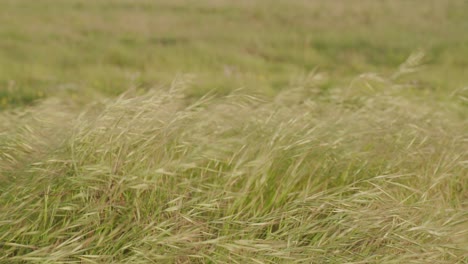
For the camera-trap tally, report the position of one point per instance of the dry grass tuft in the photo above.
(363, 174)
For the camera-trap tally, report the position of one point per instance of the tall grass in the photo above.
(368, 173)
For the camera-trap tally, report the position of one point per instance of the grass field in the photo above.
(233, 131)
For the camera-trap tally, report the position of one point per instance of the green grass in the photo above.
(124, 136)
(80, 47)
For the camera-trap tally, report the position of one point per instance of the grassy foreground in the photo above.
(124, 136)
(363, 174)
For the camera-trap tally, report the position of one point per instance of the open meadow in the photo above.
(217, 131)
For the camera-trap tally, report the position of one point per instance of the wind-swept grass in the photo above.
(374, 172)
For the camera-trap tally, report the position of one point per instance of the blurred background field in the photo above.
(79, 48)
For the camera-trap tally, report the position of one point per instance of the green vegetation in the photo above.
(125, 136)
(51, 47)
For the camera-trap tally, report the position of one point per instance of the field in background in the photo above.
(78, 47)
(125, 136)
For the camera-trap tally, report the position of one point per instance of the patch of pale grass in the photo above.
(362, 174)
